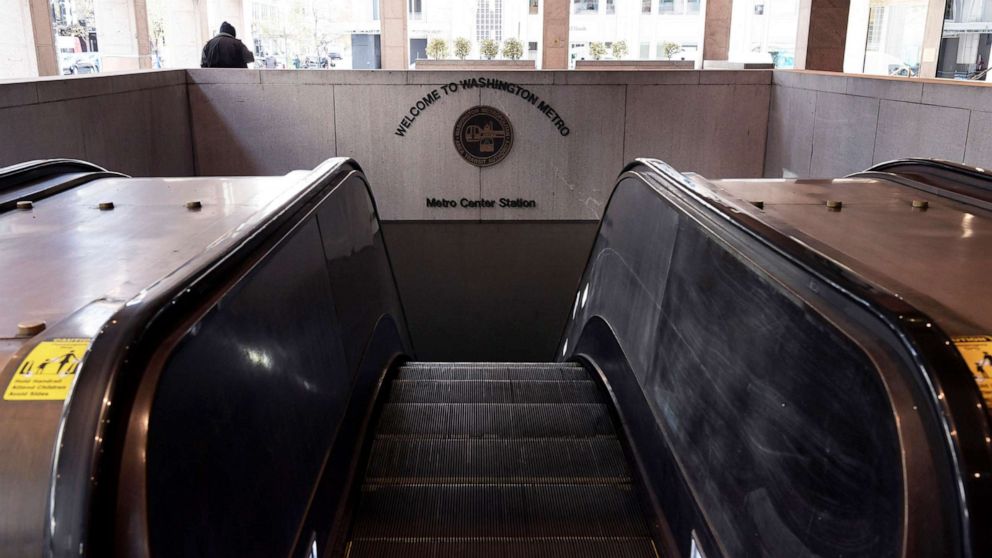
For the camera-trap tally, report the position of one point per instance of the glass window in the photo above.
(666, 6)
(645, 51)
(585, 6)
(894, 41)
(645, 6)
(610, 8)
(692, 7)
(416, 9)
(375, 10)
(532, 45)
(966, 40)
(533, 6)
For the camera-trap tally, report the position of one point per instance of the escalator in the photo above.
(498, 459)
(223, 367)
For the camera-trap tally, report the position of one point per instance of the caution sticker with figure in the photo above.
(48, 371)
(977, 352)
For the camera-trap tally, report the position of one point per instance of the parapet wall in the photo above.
(136, 123)
(564, 160)
(573, 131)
(828, 125)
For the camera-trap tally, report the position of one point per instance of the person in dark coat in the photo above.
(225, 50)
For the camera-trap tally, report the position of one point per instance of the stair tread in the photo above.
(494, 391)
(499, 510)
(481, 460)
(523, 547)
(590, 460)
(495, 420)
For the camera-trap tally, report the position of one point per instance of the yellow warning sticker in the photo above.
(48, 371)
(977, 352)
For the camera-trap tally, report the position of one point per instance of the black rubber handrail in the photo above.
(27, 181)
(960, 182)
(953, 394)
(13, 176)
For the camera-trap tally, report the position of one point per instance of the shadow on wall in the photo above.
(488, 291)
(255, 129)
(137, 124)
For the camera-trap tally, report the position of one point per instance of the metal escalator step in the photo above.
(500, 420)
(500, 510)
(494, 391)
(590, 460)
(416, 364)
(557, 547)
(496, 371)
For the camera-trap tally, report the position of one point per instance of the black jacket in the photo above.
(224, 51)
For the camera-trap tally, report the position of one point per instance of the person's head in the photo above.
(228, 28)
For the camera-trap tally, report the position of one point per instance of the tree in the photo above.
(597, 50)
(489, 49)
(437, 49)
(513, 49)
(463, 47)
(619, 49)
(670, 49)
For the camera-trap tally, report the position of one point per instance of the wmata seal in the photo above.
(483, 136)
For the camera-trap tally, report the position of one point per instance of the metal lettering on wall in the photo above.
(421, 105)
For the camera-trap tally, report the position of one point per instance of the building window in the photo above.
(375, 10)
(585, 6)
(532, 45)
(489, 20)
(610, 7)
(416, 9)
(645, 6)
(645, 51)
(666, 6)
(692, 7)
(533, 6)
(876, 19)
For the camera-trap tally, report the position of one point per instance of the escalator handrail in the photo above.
(15, 175)
(953, 395)
(90, 431)
(970, 183)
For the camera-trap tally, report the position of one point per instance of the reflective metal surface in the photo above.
(152, 265)
(935, 258)
(781, 406)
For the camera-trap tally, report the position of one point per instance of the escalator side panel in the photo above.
(358, 266)
(781, 427)
(240, 421)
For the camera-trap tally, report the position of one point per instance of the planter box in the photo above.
(727, 65)
(635, 64)
(422, 64)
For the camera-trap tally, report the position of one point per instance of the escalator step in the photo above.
(591, 460)
(501, 420)
(501, 371)
(494, 391)
(495, 510)
(557, 547)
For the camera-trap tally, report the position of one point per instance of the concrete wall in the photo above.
(133, 123)
(270, 122)
(494, 284)
(829, 125)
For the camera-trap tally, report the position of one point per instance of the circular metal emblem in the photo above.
(483, 136)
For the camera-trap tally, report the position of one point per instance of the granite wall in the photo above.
(828, 125)
(135, 123)
(270, 122)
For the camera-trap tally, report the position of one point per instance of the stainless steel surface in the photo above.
(71, 265)
(66, 252)
(936, 259)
